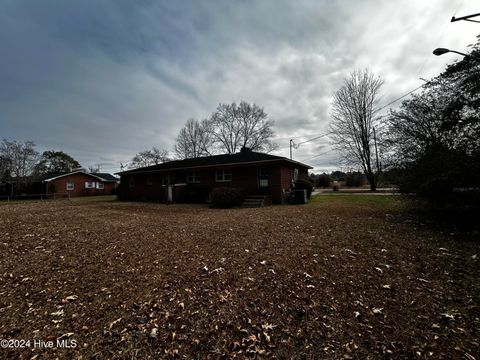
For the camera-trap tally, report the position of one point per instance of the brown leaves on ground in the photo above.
(130, 280)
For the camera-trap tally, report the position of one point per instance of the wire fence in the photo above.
(54, 196)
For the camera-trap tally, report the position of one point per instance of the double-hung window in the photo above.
(193, 177)
(70, 185)
(223, 175)
(89, 185)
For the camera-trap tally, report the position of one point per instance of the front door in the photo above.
(264, 180)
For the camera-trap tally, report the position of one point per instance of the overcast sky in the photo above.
(103, 80)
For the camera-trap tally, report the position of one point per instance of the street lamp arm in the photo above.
(464, 17)
(441, 51)
(460, 53)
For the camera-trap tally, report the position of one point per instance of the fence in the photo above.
(54, 196)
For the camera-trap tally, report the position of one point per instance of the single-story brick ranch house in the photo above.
(74, 183)
(192, 180)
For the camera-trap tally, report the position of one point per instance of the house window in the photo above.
(223, 175)
(149, 180)
(295, 175)
(100, 185)
(263, 177)
(70, 185)
(193, 177)
(89, 185)
(168, 179)
(130, 181)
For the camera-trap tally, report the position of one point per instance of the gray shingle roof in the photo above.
(237, 158)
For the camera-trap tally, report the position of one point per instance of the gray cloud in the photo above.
(104, 80)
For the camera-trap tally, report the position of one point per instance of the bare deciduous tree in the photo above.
(21, 157)
(194, 140)
(95, 168)
(4, 168)
(245, 125)
(149, 157)
(353, 121)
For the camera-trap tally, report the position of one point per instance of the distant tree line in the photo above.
(350, 178)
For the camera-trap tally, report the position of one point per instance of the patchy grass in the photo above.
(382, 200)
(89, 199)
(342, 278)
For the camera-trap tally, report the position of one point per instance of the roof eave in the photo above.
(140, 171)
(73, 173)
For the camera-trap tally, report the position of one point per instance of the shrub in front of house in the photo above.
(304, 184)
(226, 197)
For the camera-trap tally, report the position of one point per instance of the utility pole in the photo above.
(291, 145)
(376, 149)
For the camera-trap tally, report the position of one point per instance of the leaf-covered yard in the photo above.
(334, 279)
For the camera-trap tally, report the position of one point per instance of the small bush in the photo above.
(335, 188)
(304, 184)
(226, 197)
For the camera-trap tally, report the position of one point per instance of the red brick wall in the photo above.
(60, 186)
(243, 177)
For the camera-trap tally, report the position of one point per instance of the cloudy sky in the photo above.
(103, 80)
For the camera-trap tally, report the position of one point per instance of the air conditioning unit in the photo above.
(300, 196)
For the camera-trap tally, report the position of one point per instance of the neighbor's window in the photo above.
(100, 185)
(70, 185)
(89, 185)
(295, 175)
(193, 177)
(130, 181)
(223, 175)
(149, 180)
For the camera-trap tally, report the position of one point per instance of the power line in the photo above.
(296, 137)
(400, 98)
(315, 138)
(313, 157)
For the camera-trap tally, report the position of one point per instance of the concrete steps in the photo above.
(255, 201)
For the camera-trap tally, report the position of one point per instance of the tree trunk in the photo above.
(372, 182)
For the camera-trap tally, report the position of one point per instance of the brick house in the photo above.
(75, 183)
(192, 180)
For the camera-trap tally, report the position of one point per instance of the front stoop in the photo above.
(255, 201)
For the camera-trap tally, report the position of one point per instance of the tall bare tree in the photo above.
(245, 125)
(4, 168)
(19, 158)
(353, 121)
(194, 140)
(149, 157)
